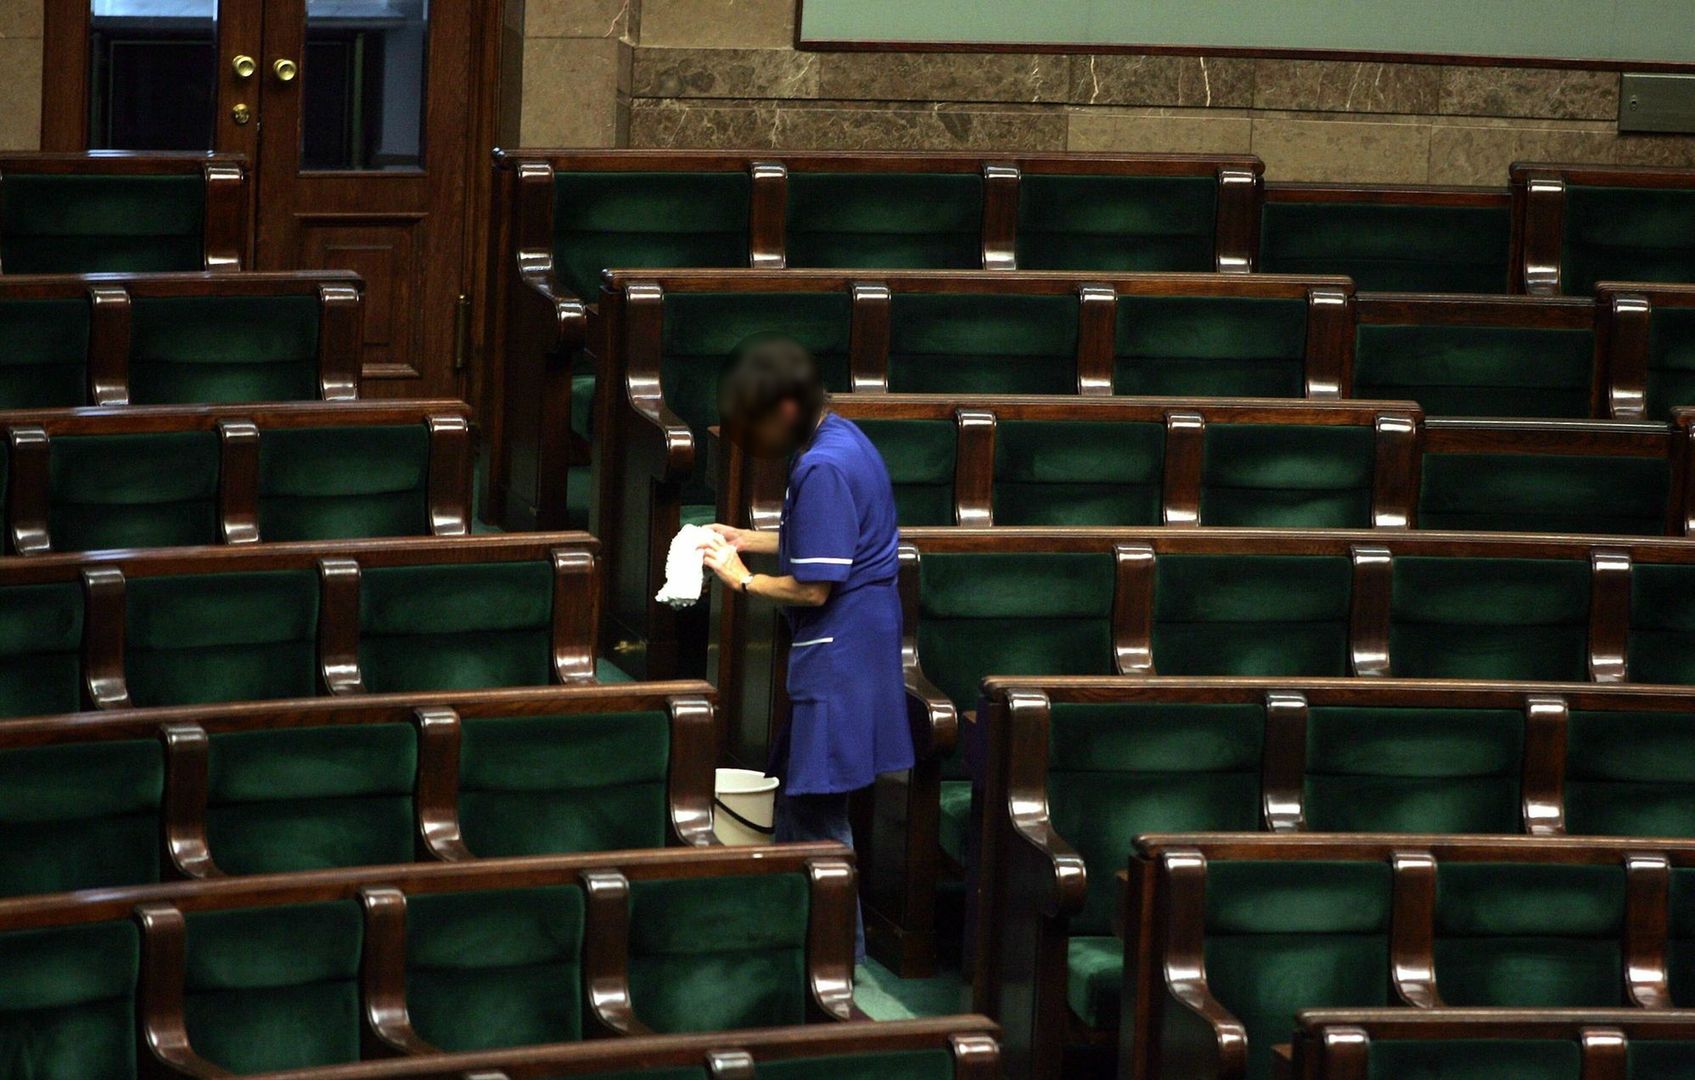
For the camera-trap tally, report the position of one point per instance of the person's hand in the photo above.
(736, 538)
(722, 559)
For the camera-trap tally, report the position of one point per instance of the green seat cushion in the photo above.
(1078, 473)
(582, 404)
(1556, 493)
(1626, 234)
(956, 818)
(610, 220)
(1661, 646)
(114, 491)
(1292, 476)
(1660, 1059)
(920, 456)
(335, 483)
(1680, 946)
(466, 626)
(1160, 223)
(67, 1001)
(542, 785)
(1390, 248)
(1476, 618)
(908, 221)
(40, 649)
(199, 638)
(1671, 361)
(1477, 370)
(43, 353)
(891, 1065)
(192, 349)
(91, 223)
(1211, 346)
(1477, 1059)
(1094, 980)
(80, 816)
(1251, 615)
(982, 343)
(605, 671)
(1630, 774)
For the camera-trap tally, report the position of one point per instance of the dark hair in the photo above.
(766, 370)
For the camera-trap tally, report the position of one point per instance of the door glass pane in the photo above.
(153, 79)
(364, 70)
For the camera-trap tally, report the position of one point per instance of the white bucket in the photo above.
(748, 796)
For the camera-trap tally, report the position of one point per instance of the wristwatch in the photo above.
(746, 581)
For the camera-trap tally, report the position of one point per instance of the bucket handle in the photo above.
(762, 830)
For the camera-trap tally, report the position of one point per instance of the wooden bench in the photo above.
(1650, 349)
(1579, 225)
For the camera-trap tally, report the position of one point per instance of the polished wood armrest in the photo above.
(436, 793)
(164, 1028)
(187, 759)
(829, 939)
(562, 317)
(382, 973)
(934, 720)
(694, 750)
(606, 953)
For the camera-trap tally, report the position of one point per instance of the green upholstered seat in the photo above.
(43, 353)
(1480, 1059)
(1530, 935)
(67, 1002)
(1555, 493)
(748, 970)
(1288, 476)
(540, 785)
(920, 455)
(910, 221)
(1477, 370)
(607, 220)
(310, 798)
(192, 349)
(892, 1065)
(955, 818)
(1661, 646)
(465, 626)
(200, 638)
(1671, 361)
(1078, 473)
(40, 649)
(1389, 248)
(1251, 615)
(1211, 346)
(92, 223)
(274, 988)
(335, 483)
(1630, 774)
(1160, 223)
(1424, 770)
(1094, 979)
(1626, 234)
(158, 489)
(495, 968)
(1481, 618)
(80, 816)
(969, 343)
(1680, 941)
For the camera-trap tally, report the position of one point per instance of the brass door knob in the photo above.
(286, 70)
(244, 66)
(241, 114)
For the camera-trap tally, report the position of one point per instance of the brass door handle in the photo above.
(242, 115)
(244, 66)
(286, 70)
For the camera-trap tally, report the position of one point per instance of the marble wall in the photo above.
(20, 74)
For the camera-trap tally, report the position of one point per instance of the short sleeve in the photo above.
(823, 526)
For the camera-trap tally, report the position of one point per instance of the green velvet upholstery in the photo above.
(1626, 234)
(67, 1002)
(1251, 615)
(955, 821)
(893, 1065)
(1421, 770)
(1211, 346)
(982, 344)
(611, 220)
(1477, 618)
(43, 353)
(197, 638)
(1630, 774)
(101, 223)
(1661, 646)
(469, 626)
(1295, 476)
(542, 785)
(312, 797)
(115, 491)
(40, 649)
(702, 331)
(1389, 248)
(1529, 935)
(719, 953)
(495, 968)
(274, 988)
(1671, 361)
(80, 816)
(191, 349)
(1553, 493)
(335, 483)
(1475, 1059)
(1661, 1059)
(1094, 979)
(1680, 943)
(1292, 935)
(907, 221)
(1477, 370)
(1160, 223)
(1078, 473)
(920, 456)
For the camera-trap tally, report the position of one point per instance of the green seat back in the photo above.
(68, 1000)
(312, 797)
(101, 223)
(1390, 248)
(893, 221)
(1477, 370)
(344, 482)
(982, 344)
(1158, 223)
(607, 220)
(1661, 1059)
(719, 953)
(1627, 234)
(1079, 473)
(198, 638)
(1291, 935)
(43, 353)
(891, 1065)
(1530, 935)
(920, 456)
(547, 785)
(1630, 774)
(1251, 615)
(1476, 1059)
(1211, 346)
(467, 626)
(1423, 770)
(193, 349)
(1661, 646)
(116, 491)
(40, 649)
(1680, 940)
(1554, 493)
(1477, 618)
(80, 816)
(274, 988)
(1294, 476)
(1671, 361)
(495, 968)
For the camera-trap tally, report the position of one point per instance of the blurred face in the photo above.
(777, 434)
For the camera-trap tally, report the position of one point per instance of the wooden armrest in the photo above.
(164, 1028)
(388, 1025)
(1282, 1062)
(568, 314)
(606, 953)
(934, 720)
(1063, 869)
(436, 796)
(694, 749)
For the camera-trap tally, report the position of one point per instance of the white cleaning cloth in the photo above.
(684, 575)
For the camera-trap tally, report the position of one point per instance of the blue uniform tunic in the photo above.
(848, 721)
